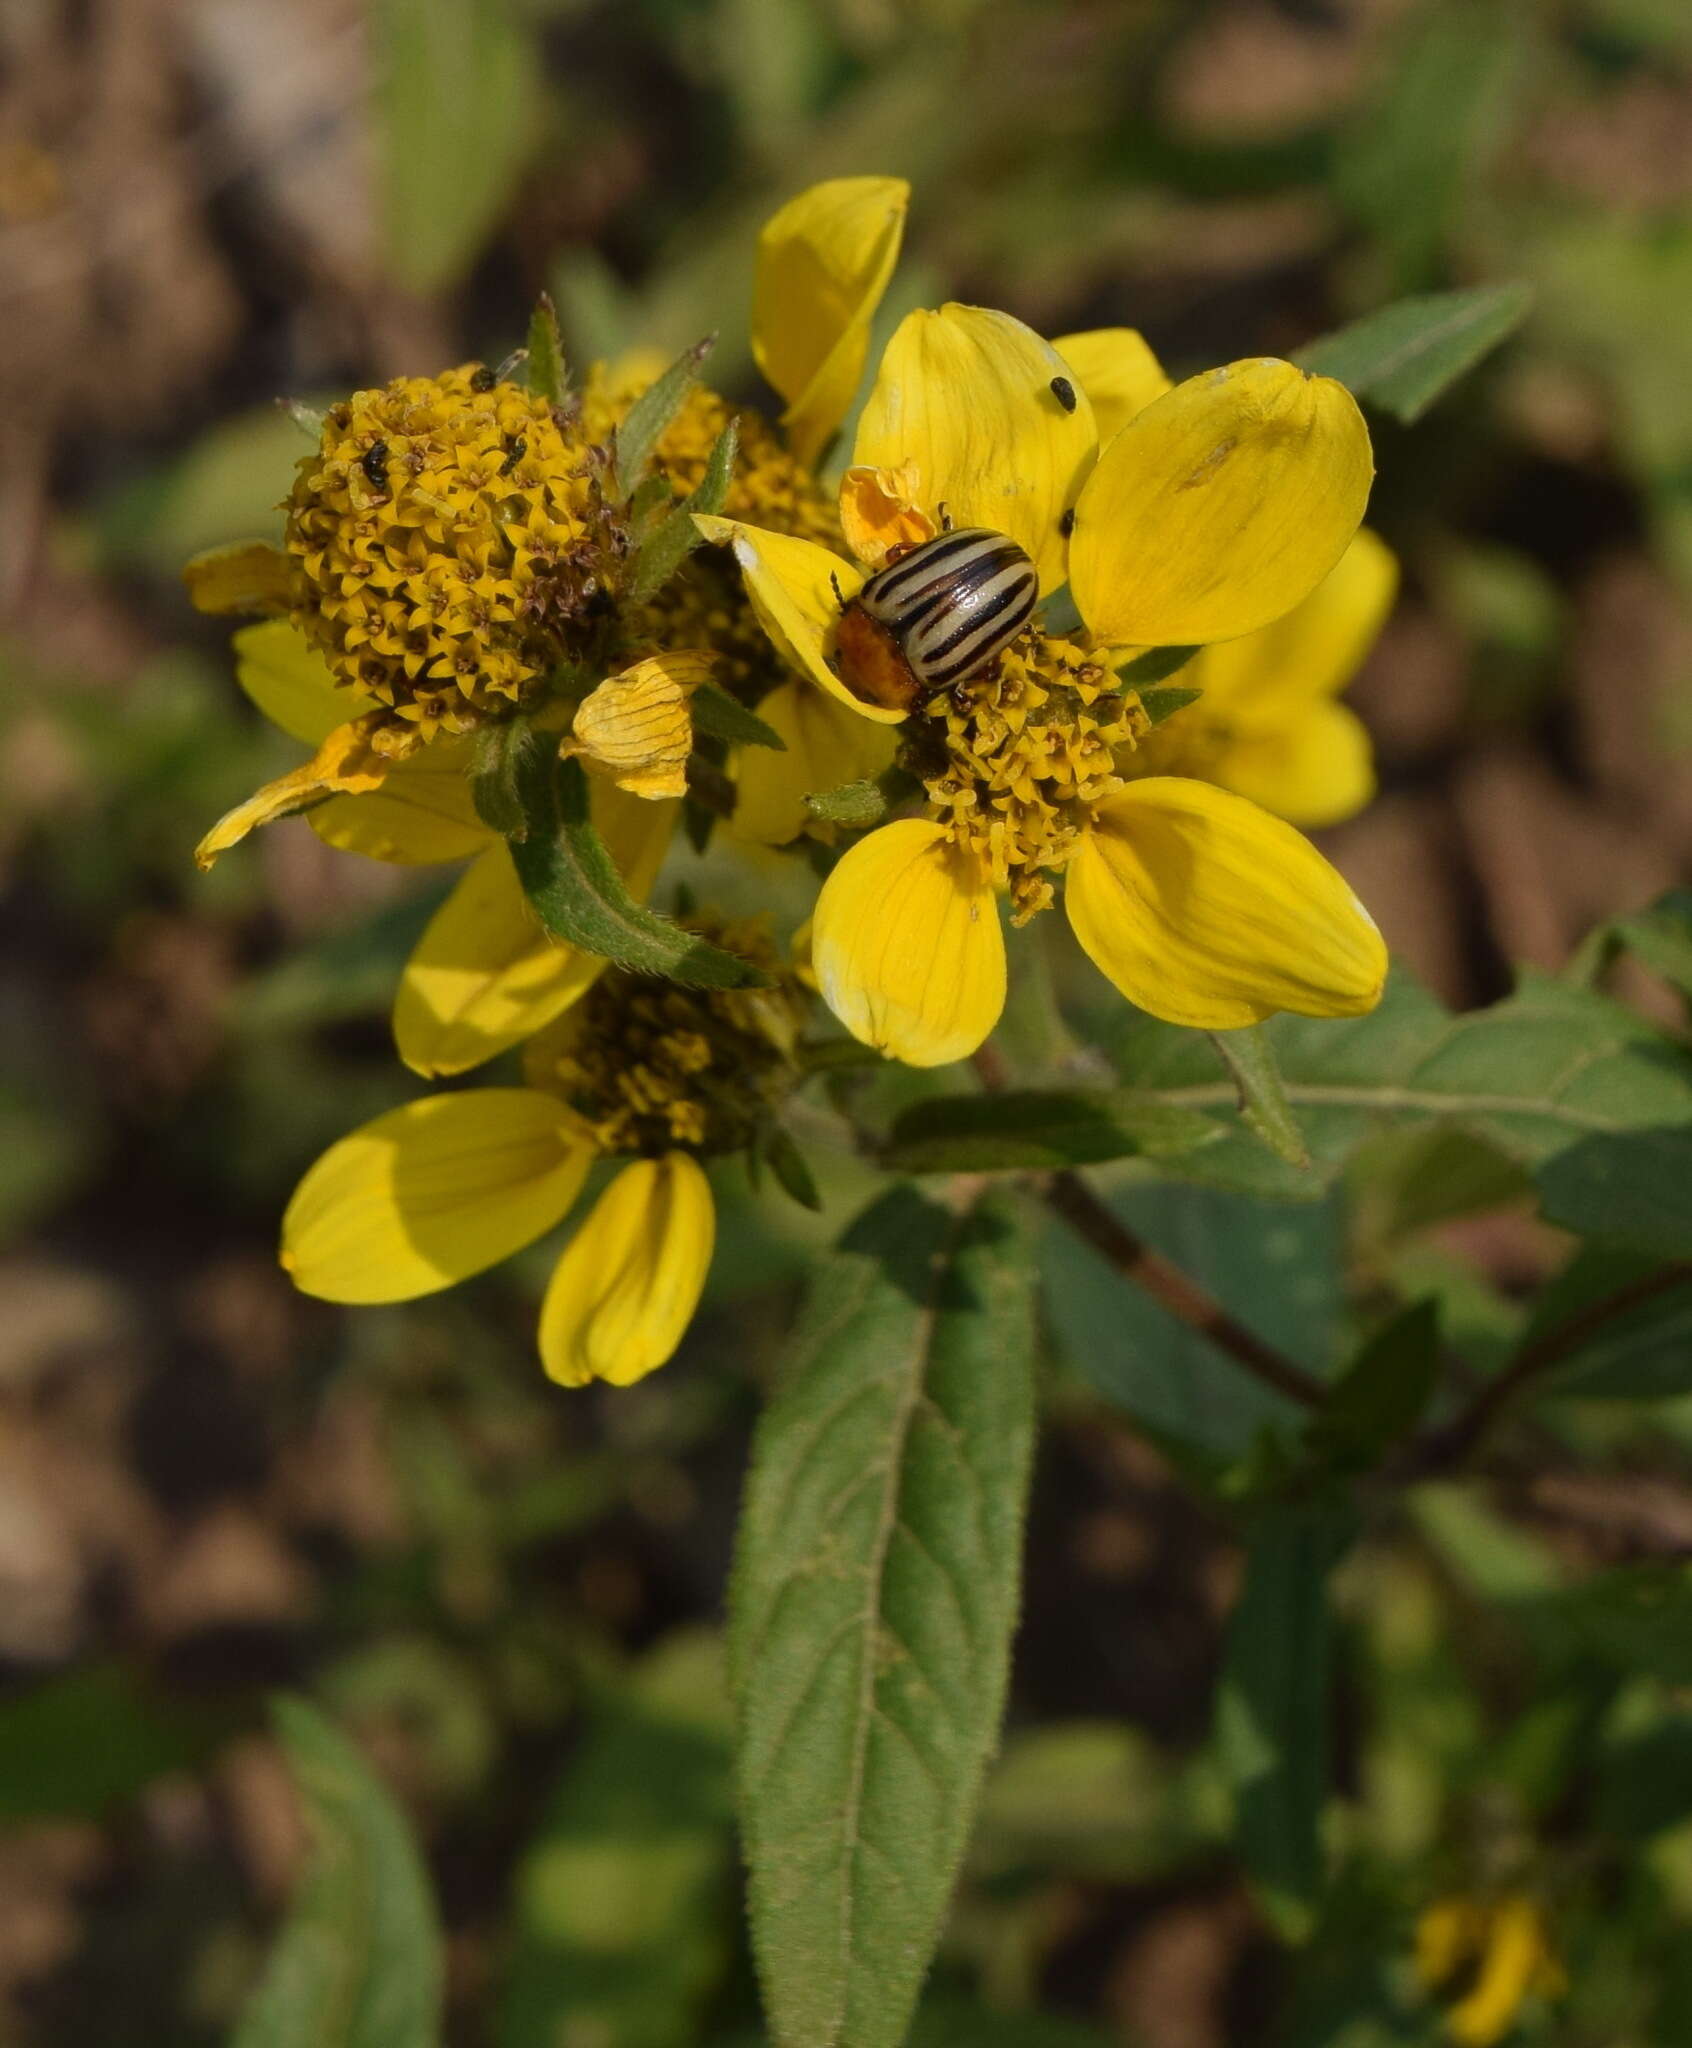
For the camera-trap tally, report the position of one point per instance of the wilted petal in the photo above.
(1219, 507)
(906, 945)
(636, 729)
(630, 1279)
(965, 395)
(346, 762)
(432, 1193)
(823, 263)
(1204, 910)
(1118, 372)
(879, 512)
(423, 813)
(827, 745)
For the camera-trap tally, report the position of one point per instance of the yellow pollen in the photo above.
(650, 1066)
(1018, 772)
(448, 541)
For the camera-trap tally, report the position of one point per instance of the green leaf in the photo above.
(1037, 1128)
(726, 718)
(1264, 1107)
(506, 755)
(1637, 1619)
(458, 99)
(1660, 936)
(579, 896)
(643, 425)
(1153, 666)
(676, 536)
(358, 1964)
(1403, 357)
(791, 1169)
(1274, 1265)
(1640, 1353)
(1383, 1393)
(546, 373)
(1272, 1710)
(1593, 1101)
(625, 1895)
(88, 1739)
(1164, 700)
(873, 1600)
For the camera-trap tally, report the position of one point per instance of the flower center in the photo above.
(650, 1066)
(1017, 773)
(451, 534)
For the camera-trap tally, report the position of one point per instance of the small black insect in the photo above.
(1066, 525)
(374, 463)
(483, 380)
(514, 454)
(1064, 392)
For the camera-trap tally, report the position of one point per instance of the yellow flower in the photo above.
(484, 975)
(1267, 726)
(1487, 1958)
(449, 1185)
(1213, 509)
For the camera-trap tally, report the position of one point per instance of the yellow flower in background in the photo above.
(1486, 1959)
(1214, 509)
(1266, 725)
(445, 1187)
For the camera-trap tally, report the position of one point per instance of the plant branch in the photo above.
(1463, 1434)
(1069, 1196)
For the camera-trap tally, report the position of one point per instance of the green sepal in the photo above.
(496, 773)
(1164, 700)
(644, 423)
(1153, 665)
(577, 893)
(726, 718)
(791, 1169)
(545, 372)
(675, 537)
(308, 418)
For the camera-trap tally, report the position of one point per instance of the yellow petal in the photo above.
(1312, 765)
(823, 263)
(1118, 372)
(827, 745)
(966, 396)
(484, 975)
(1205, 910)
(423, 813)
(1219, 507)
(630, 1279)
(1315, 650)
(879, 512)
(636, 729)
(346, 762)
(791, 584)
(432, 1193)
(906, 945)
(250, 576)
(291, 684)
(1511, 1965)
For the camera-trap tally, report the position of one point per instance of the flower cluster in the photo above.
(460, 551)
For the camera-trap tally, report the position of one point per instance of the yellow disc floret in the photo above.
(650, 1066)
(1015, 764)
(451, 535)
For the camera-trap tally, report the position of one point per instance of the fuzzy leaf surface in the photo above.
(358, 1963)
(571, 880)
(874, 1596)
(1404, 356)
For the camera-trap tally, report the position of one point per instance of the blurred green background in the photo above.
(211, 1488)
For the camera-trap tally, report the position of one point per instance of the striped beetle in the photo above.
(937, 615)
